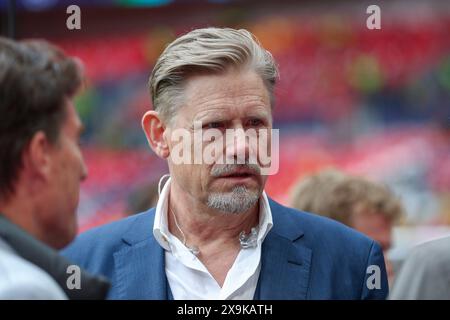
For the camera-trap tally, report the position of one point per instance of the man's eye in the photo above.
(213, 125)
(255, 122)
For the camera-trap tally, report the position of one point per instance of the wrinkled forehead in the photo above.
(235, 94)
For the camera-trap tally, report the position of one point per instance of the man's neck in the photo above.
(215, 234)
(20, 212)
(202, 225)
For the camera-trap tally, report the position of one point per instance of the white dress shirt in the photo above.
(187, 276)
(22, 280)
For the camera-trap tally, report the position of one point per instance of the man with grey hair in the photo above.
(216, 234)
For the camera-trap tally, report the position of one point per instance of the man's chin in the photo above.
(237, 200)
(237, 191)
(66, 236)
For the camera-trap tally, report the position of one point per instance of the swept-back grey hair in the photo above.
(208, 50)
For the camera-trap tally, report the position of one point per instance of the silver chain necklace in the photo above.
(246, 240)
(194, 249)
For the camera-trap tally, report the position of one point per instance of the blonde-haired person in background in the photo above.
(367, 206)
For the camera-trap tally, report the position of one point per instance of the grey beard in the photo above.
(239, 200)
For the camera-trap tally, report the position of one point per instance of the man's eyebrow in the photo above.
(258, 115)
(209, 116)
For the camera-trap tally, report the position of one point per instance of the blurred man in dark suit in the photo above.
(41, 167)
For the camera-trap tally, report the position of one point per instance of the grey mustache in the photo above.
(220, 170)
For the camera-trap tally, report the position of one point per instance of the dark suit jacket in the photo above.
(49, 260)
(304, 256)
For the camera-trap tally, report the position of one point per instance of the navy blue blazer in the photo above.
(304, 256)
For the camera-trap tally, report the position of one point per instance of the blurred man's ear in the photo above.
(37, 156)
(154, 130)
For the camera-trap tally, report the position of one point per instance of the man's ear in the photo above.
(154, 131)
(36, 156)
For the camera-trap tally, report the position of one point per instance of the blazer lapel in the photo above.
(285, 262)
(140, 266)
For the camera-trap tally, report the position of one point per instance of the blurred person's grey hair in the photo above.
(207, 51)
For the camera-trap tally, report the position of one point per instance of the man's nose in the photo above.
(237, 145)
(84, 171)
